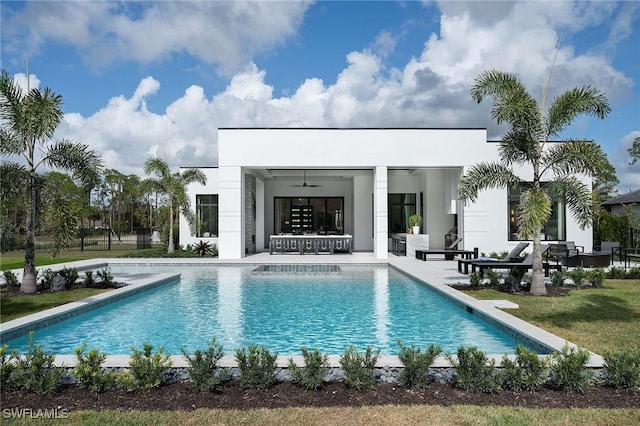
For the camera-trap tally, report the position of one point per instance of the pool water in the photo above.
(363, 306)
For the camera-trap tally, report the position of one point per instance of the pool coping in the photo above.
(485, 308)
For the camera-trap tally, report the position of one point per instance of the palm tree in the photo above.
(29, 121)
(525, 144)
(175, 187)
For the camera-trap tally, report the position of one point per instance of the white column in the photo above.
(381, 214)
(230, 213)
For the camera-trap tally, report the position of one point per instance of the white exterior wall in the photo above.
(196, 189)
(440, 155)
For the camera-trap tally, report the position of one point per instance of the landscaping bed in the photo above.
(181, 396)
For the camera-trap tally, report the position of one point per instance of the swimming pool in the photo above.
(363, 305)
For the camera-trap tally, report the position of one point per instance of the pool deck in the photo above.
(438, 273)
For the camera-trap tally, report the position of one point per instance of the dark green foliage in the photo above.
(622, 369)
(474, 372)
(89, 372)
(47, 277)
(568, 369)
(35, 371)
(526, 373)
(257, 366)
(634, 273)
(415, 374)
(596, 276)
(70, 276)
(203, 248)
(89, 280)
(312, 375)
(475, 279)
(204, 372)
(146, 369)
(494, 276)
(557, 278)
(10, 279)
(7, 366)
(616, 273)
(106, 279)
(611, 227)
(358, 368)
(577, 274)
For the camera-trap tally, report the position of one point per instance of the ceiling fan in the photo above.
(304, 182)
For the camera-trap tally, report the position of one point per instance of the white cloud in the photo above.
(629, 175)
(225, 33)
(430, 90)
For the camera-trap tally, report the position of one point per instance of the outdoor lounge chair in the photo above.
(609, 247)
(449, 252)
(512, 256)
(526, 264)
(565, 253)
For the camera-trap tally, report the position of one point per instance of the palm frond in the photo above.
(573, 103)
(483, 176)
(158, 166)
(44, 113)
(11, 107)
(76, 157)
(511, 101)
(10, 142)
(193, 175)
(578, 196)
(518, 147)
(576, 157)
(534, 210)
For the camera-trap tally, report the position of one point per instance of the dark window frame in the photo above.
(211, 203)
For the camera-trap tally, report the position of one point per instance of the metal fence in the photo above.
(102, 240)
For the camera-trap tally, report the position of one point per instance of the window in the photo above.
(327, 215)
(207, 215)
(401, 206)
(555, 228)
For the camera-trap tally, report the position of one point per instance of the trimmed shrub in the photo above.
(494, 276)
(596, 276)
(475, 279)
(257, 366)
(577, 274)
(622, 369)
(203, 369)
(47, 277)
(415, 374)
(526, 373)
(35, 371)
(70, 276)
(634, 273)
(10, 279)
(106, 279)
(557, 278)
(146, 369)
(7, 366)
(312, 375)
(568, 369)
(474, 372)
(89, 372)
(358, 368)
(89, 279)
(616, 273)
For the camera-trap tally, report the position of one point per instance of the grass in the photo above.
(15, 259)
(378, 415)
(597, 319)
(19, 306)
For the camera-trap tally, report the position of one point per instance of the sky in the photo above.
(143, 79)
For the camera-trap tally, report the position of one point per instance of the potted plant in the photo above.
(415, 220)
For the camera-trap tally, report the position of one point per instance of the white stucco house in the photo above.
(362, 182)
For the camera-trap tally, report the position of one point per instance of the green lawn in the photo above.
(598, 319)
(15, 259)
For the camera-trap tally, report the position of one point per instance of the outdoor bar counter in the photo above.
(310, 244)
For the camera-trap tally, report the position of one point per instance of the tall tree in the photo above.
(634, 151)
(553, 167)
(29, 121)
(174, 185)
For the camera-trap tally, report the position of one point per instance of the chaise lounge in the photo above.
(526, 264)
(512, 256)
(449, 252)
